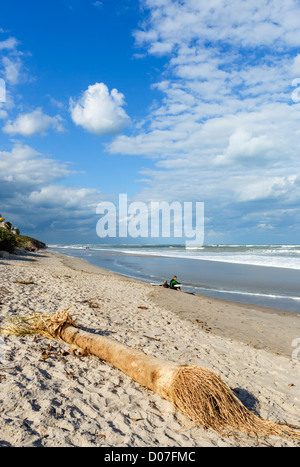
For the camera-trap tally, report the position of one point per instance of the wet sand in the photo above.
(259, 327)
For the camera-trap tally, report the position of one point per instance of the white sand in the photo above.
(65, 400)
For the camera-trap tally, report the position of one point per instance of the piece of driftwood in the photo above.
(197, 392)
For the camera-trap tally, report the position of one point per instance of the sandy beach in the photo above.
(51, 395)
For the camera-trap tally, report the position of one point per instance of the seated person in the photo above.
(174, 284)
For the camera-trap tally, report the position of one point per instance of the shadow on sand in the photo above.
(26, 257)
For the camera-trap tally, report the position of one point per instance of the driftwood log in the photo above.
(197, 392)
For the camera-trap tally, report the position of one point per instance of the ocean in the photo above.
(264, 275)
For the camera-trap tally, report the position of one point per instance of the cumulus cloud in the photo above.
(271, 187)
(35, 190)
(35, 198)
(99, 111)
(28, 124)
(71, 198)
(24, 168)
(226, 129)
(247, 149)
(252, 23)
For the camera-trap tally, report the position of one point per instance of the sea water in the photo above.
(265, 275)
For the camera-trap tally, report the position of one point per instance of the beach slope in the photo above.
(52, 395)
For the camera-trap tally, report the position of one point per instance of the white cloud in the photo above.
(97, 4)
(56, 103)
(32, 123)
(252, 150)
(9, 44)
(296, 66)
(12, 69)
(23, 168)
(100, 111)
(226, 130)
(250, 22)
(71, 198)
(32, 193)
(12, 62)
(265, 188)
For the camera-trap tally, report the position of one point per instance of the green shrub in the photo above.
(29, 242)
(8, 241)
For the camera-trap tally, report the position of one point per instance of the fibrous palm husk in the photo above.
(197, 392)
(202, 396)
(37, 323)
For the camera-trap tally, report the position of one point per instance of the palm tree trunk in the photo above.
(197, 392)
(148, 371)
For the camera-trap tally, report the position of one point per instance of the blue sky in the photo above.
(163, 100)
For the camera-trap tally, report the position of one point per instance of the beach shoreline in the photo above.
(73, 401)
(233, 280)
(254, 325)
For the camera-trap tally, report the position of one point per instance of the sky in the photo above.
(162, 100)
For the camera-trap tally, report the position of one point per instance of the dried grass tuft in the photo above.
(203, 397)
(45, 325)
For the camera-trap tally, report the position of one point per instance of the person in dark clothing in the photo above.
(174, 284)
